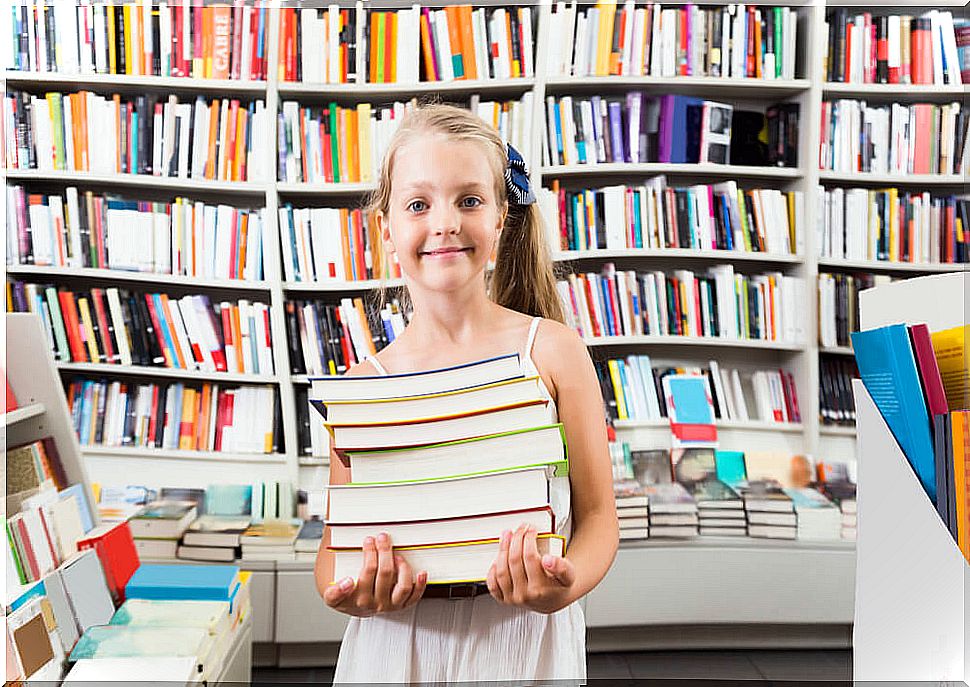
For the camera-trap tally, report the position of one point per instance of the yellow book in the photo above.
(353, 151)
(343, 147)
(380, 76)
(112, 54)
(952, 349)
(792, 235)
(186, 427)
(392, 75)
(604, 42)
(240, 156)
(364, 142)
(87, 326)
(961, 463)
(129, 38)
(621, 410)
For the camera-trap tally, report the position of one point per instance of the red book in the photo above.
(48, 536)
(231, 137)
(237, 33)
(796, 413)
(563, 226)
(303, 160)
(97, 297)
(847, 67)
(269, 336)
(787, 389)
(228, 412)
(924, 132)
(678, 310)
(170, 360)
(230, 344)
(698, 320)
(921, 57)
(11, 397)
(359, 243)
(750, 64)
(28, 550)
(177, 40)
(345, 346)
(116, 550)
(592, 310)
(72, 325)
(153, 417)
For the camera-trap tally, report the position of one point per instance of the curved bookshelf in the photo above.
(733, 425)
(890, 90)
(300, 188)
(340, 286)
(754, 344)
(97, 274)
(886, 266)
(131, 82)
(168, 372)
(651, 168)
(177, 184)
(675, 253)
(867, 178)
(723, 87)
(366, 90)
(178, 454)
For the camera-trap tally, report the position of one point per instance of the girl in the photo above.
(449, 192)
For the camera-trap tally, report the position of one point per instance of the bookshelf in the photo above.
(808, 89)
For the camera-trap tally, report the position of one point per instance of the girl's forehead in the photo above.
(435, 160)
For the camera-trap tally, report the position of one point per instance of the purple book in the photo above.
(615, 110)
(672, 145)
(633, 103)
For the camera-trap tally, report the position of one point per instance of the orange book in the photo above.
(615, 55)
(241, 152)
(757, 46)
(429, 71)
(138, 49)
(281, 41)
(237, 337)
(467, 41)
(210, 161)
(359, 306)
(243, 241)
(960, 429)
(454, 39)
(372, 57)
(342, 147)
(187, 424)
(345, 244)
(390, 50)
(353, 155)
(221, 41)
(305, 164)
(177, 349)
(202, 423)
(208, 40)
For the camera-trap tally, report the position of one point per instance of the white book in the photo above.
(525, 19)
(333, 44)
(245, 64)
(221, 163)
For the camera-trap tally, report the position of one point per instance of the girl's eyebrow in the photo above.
(423, 185)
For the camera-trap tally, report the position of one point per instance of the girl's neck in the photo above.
(454, 317)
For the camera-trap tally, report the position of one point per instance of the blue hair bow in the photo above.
(517, 179)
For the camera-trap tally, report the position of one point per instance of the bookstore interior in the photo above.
(758, 221)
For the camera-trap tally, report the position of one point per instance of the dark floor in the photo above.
(707, 665)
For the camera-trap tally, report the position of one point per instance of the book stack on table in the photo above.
(443, 462)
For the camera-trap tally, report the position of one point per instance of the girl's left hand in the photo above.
(521, 577)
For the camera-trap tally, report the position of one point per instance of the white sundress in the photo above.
(472, 639)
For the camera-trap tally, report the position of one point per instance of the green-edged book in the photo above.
(335, 137)
(503, 451)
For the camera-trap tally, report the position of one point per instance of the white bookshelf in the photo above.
(808, 90)
(22, 414)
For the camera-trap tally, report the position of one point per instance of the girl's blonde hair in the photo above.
(523, 278)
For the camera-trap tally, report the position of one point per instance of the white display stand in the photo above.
(912, 601)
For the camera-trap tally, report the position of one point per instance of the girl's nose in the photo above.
(447, 220)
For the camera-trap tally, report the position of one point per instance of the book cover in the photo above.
(183, 582)
(952, 349)
(730, 466)
(690, 410)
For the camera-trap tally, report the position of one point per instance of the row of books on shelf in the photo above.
(654, 215)
(633, 389)
(838, 304)
(455, 42)
(896, 48)
(917, 379)
(453, 455)
(917, 138)
(183, 237)
(142, 38)
(218, 139)
(332, 244)
(686, 492)
(333, 143)
(836, 400)
(640, 127)
(330, 338)
(123, 327)
(78, 595)
(892, 225)
(623, 39)
(718, 303)
(190, 417)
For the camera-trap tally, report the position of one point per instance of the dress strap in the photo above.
(533, 328)
(377, 365)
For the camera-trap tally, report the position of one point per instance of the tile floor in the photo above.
(788, 666)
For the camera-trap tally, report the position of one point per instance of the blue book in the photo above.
(637, 221)
(611, 325)
(726, 214)
(887, 367)
(228, 499)
(559, 146)
(615, 111)
(81, 497)
(672, 144)
(183, 582)
(730, 466)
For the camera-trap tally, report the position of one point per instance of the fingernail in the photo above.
(549, 561)
(382, 538)
(368, 541)
(346, 584)
(423, 576)
(398, 560)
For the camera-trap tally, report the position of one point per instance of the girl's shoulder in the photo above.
(558, 350)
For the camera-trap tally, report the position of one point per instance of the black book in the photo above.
(579, 135)
(99, 422)
(336, 353)
(604, 118)
(145, 115)
(157, 355)
(714, 21)
(25, 132)
(156, 65)
(131, 404)
(570, 235)
(606, 389)
(682, 217)
(134, 340)
(840, 21)
(24, 41)
(293, 339)
(694, 118)
(516, 53)
(277, 441)
(48, 19)
(712, 300)
(882, 34)
(120, 40)
(659, 390)
(747, 147)
(156, 440)
(303, 422)
(754, 312)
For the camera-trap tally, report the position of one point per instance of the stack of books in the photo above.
(817, 517)
(159, 526)
(632, 509)
(771, 513)
(271, 540)
(673, 511)
(308, 540)
(443, 461)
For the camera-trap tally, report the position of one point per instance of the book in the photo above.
(713, 494)
(309, 537)
(162, 520)
(216, 531)
(120, 641)
(183, 582)
(443, 498)
(888, 369)
(669, 498)
(729, 466)
(168, 669)
(818, 518)
(218, 554)
(652, 467)
(763, 495)
(270, 533)
(414, 408)
(787, 469)
(427, 532)
(330, 389)
(115, 548)
(211, 616)
(693, 465)
(387, 435)
(508, 450)
(83, 581)
(451, 563)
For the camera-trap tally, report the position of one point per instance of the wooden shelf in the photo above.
(723, 87)
(176, 184)
(896, 91)
(339, 286)
(166, 372)
(836, 350)
(95, 274)
(886, 266)
(731, 425)
(675, 254)
(869, 179)
(651, 168)
(177, 454)
(754, 344)
(125, 82)
(23, 413)
(402, 90)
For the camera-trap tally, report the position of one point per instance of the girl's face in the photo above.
(443, 220)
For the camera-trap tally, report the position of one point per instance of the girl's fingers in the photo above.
(338, 592)
(531, 559)
(368, 573)
(386, 571)
(417, 591)
(492, 584)
(516, 565)
(503, 578)
(405, 583)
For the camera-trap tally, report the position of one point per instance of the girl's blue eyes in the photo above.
(420, 205)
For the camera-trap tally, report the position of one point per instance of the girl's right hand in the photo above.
(386, 583)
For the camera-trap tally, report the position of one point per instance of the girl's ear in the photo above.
(384, 227)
